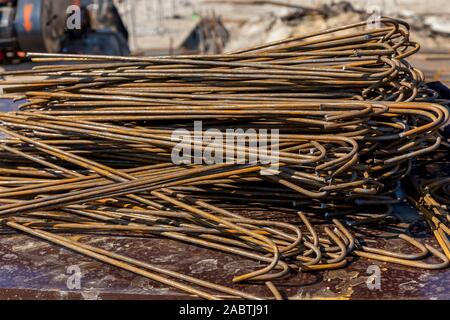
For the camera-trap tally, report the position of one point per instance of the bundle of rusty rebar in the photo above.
(90, 151)
(430, 193)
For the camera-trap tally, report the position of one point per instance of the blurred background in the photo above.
(157, 25)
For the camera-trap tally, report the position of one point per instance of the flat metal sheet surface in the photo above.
(34, 269)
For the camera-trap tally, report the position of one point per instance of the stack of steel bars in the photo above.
(430, 192)
(91, 150)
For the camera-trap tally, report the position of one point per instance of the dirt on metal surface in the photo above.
(26, 275)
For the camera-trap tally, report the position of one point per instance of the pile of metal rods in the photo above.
(350, 62)
(90, 151)
(440, 190)
(430, 194)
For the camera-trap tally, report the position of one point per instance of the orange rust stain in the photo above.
(27, 12)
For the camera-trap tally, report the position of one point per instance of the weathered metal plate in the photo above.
(33, 269)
